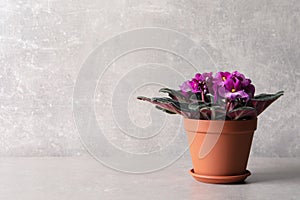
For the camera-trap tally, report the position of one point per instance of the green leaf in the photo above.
(262, 101)
(175, 94)
(168, 104)
(242, 113)
(212, 113)
(210, 97)
(267, 97)
(165, 110)
(197, 105)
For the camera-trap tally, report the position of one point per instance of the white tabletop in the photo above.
(84, 178)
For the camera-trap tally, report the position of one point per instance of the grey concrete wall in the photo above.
(43, 45)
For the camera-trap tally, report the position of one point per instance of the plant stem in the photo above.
(227, 106)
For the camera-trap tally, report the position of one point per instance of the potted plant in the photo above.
(220, 116)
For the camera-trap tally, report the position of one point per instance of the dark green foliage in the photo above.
(194, 106)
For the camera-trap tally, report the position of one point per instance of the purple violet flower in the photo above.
(224, 85)
(201, 83)
(219, 85)
(232, 86)
(233, 89)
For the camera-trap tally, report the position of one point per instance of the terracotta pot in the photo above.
(220, 149)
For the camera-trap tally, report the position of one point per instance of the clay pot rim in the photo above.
(219, 120)
(213, 126)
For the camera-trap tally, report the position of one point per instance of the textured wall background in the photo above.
(44, 43)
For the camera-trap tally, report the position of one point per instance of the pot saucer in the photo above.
(220, 179)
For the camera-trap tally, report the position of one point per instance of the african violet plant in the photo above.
(226, 95)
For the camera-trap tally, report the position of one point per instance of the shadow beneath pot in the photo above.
(276, 174)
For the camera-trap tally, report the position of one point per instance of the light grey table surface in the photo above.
(30, 178)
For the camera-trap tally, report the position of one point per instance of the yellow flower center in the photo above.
(232, 90)
(223, 78)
